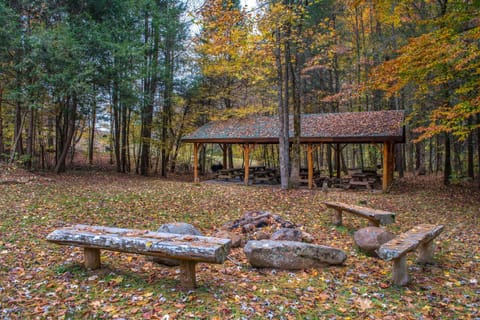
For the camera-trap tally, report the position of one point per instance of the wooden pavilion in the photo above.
(371, 127)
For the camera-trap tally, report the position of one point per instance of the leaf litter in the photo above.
(42, 280)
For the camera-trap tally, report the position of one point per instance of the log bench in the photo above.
(188, 249)
(420, 237)
(375, 217)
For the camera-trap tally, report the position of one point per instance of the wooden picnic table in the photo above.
(266, 175)
(363, 177)
(232, 173)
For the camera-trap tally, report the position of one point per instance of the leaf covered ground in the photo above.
(43, 280)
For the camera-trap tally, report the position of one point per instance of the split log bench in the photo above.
(375, 217)
(420, 237)
(188, 249)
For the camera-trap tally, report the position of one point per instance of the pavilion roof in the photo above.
(346, 127)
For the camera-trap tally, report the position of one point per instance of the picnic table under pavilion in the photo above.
(370, 127)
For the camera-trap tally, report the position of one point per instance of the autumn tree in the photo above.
(440, 64)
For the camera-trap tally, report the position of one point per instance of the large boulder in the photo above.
(370, 239)
(291, 255)
(177, 228)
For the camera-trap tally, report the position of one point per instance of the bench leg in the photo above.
(337, 217)
(187, 274)
(92, 258)
(400, 271)
(425, 252)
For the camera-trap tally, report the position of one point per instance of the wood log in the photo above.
(182, 247)
(249, 220)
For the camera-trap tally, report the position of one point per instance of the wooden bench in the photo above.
(420, 237)
(188, 249)
(375, 217)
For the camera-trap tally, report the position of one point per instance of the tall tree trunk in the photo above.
(150, 89)
(91, 138)
(297, 90)
(70, 119)
(329, 160)
(399, 159)
(478, 147)
(2, 144)
(448, 163)
(18, 146)
(129, 119)
(167, 104)
(419, 158)
(470, 154)
(17, 138)
(116, 125)
(178, 138)
(283, 114)
(30, 137)
(124, 136)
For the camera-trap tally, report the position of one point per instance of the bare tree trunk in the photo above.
(178, 138)
(116, 125)
(420, 158)
(2, 144)
(123, 154)
(329, 161)
(150, 89)
(478, 148)
(30, 138)
(17, 138)
(448, 164)
(470, 154)
(91, 138)
(399, 159)
(166, 146)
(70, 119)
(283, 114)
(18, 146)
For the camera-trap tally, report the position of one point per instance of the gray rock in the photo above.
(177, 228)
(261, 235)
(370, 239)
(236, 239)
(291, 255)
(291, 235)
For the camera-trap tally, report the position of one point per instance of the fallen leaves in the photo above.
(41, 280)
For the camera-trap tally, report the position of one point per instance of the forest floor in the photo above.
(42, 280)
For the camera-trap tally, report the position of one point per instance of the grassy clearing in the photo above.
(42, 280)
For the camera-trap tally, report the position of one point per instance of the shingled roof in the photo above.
(353, 127)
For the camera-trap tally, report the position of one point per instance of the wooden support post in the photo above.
(388, 162)
(196, 146)
(337, 217)
(310, 165)
(92, 258)
(224, 149)
(400, 271)
(425, 252)
(337, 159)
(246, 163)
(187, 274)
